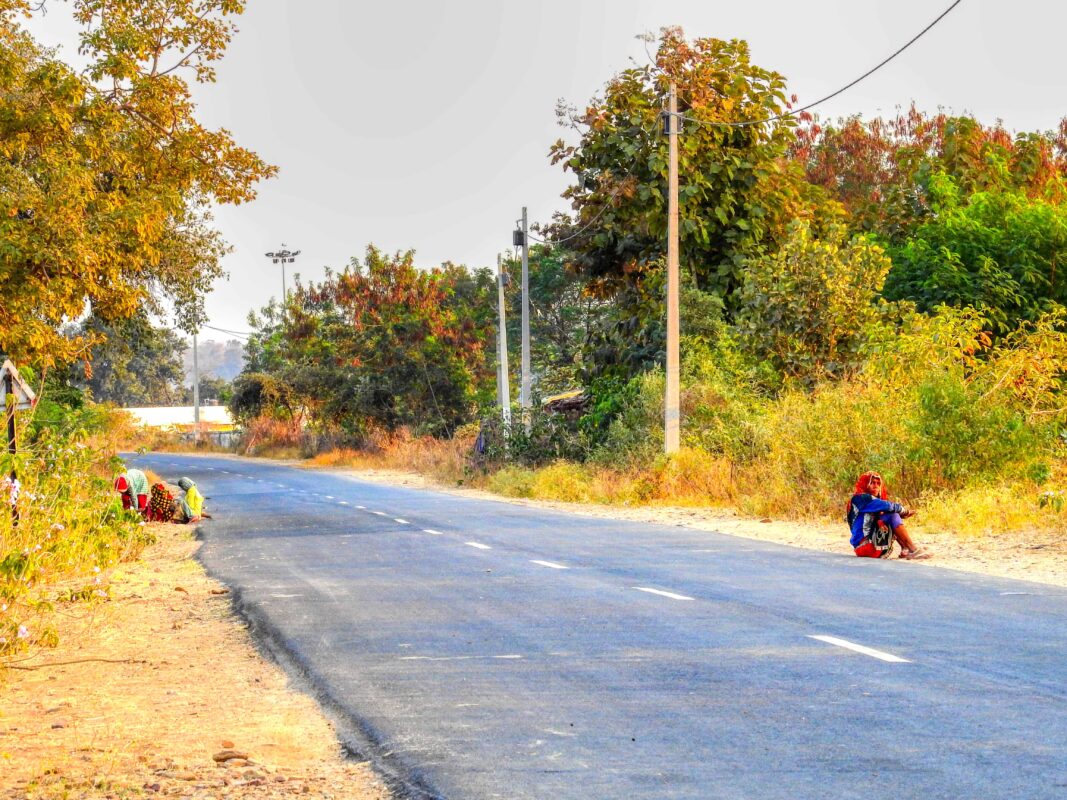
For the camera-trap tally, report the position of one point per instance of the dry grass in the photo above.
(443, 459)
(181, 681)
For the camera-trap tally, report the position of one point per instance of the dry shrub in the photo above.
(983, 511)
(563, 481)
(444, 459)
(695, 477)
(512, 482)
(263, 435)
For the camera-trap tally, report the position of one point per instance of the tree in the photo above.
(563, 316)
(807, 307)
(881, 169)
(737, 193)
(1001, 252)
(381, 345)
(134, 363)
(106, 176)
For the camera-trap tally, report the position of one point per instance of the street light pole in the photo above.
(671, 417)
(282, 256)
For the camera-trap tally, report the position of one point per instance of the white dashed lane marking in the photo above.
(431, 530)
(380, 513)
(479, 545)
(362, 508)
(661, 593)
(549, 564)
(401, 521)
(342, 503)
(509, 657)
(859, 648)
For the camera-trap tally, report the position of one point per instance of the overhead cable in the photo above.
(832, 95)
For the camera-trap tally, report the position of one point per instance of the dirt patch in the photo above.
(180, 686)
(1039, 556)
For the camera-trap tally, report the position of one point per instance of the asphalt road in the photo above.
(476, 649)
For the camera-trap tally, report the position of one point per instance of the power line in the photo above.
(844, 88)
(793, 113)
(244, 334)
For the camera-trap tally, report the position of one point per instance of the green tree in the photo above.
(380, 345)
(212, 389)
(134, 363)
(807, 308)
(1000, 251)
(107, 176)
(563, 316)
(737, 191)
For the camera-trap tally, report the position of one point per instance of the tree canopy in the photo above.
(737, 193)
(382, 344)
(106, 176)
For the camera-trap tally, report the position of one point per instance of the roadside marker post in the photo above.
(18, 396)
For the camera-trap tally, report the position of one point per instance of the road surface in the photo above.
(477, 649)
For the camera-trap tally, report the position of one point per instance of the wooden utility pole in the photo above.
(503, 376)
(671, 420)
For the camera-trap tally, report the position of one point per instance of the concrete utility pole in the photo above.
(503, 376)
(525, 390)
(196, 393)
(671, 420)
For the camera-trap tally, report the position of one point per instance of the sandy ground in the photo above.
(181, 685)
(1036, 556)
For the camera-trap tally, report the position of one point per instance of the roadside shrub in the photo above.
(512, 482)
(70, 529)
(563, 481)
(806, 306)
(693, 476)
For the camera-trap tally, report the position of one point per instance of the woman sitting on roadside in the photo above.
(875, 522)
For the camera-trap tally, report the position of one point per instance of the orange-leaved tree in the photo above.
(106, 175)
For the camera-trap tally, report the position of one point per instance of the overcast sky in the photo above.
(426, 125)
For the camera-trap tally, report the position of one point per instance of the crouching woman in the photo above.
(191, 507)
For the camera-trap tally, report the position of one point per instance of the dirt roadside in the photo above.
(1039, 556)
(182, 685)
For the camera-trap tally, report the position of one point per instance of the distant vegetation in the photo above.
(862, 294)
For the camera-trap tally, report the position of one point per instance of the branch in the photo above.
(79, 661)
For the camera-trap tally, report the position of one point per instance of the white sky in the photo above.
(426, 125)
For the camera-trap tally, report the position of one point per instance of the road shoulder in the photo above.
(148, 691)
(1036, 556)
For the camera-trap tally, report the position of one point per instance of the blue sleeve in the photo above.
(877, 506)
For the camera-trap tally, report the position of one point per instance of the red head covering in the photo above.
(864, 483)
(121, 484)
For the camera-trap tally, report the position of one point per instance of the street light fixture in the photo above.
(283, 256)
